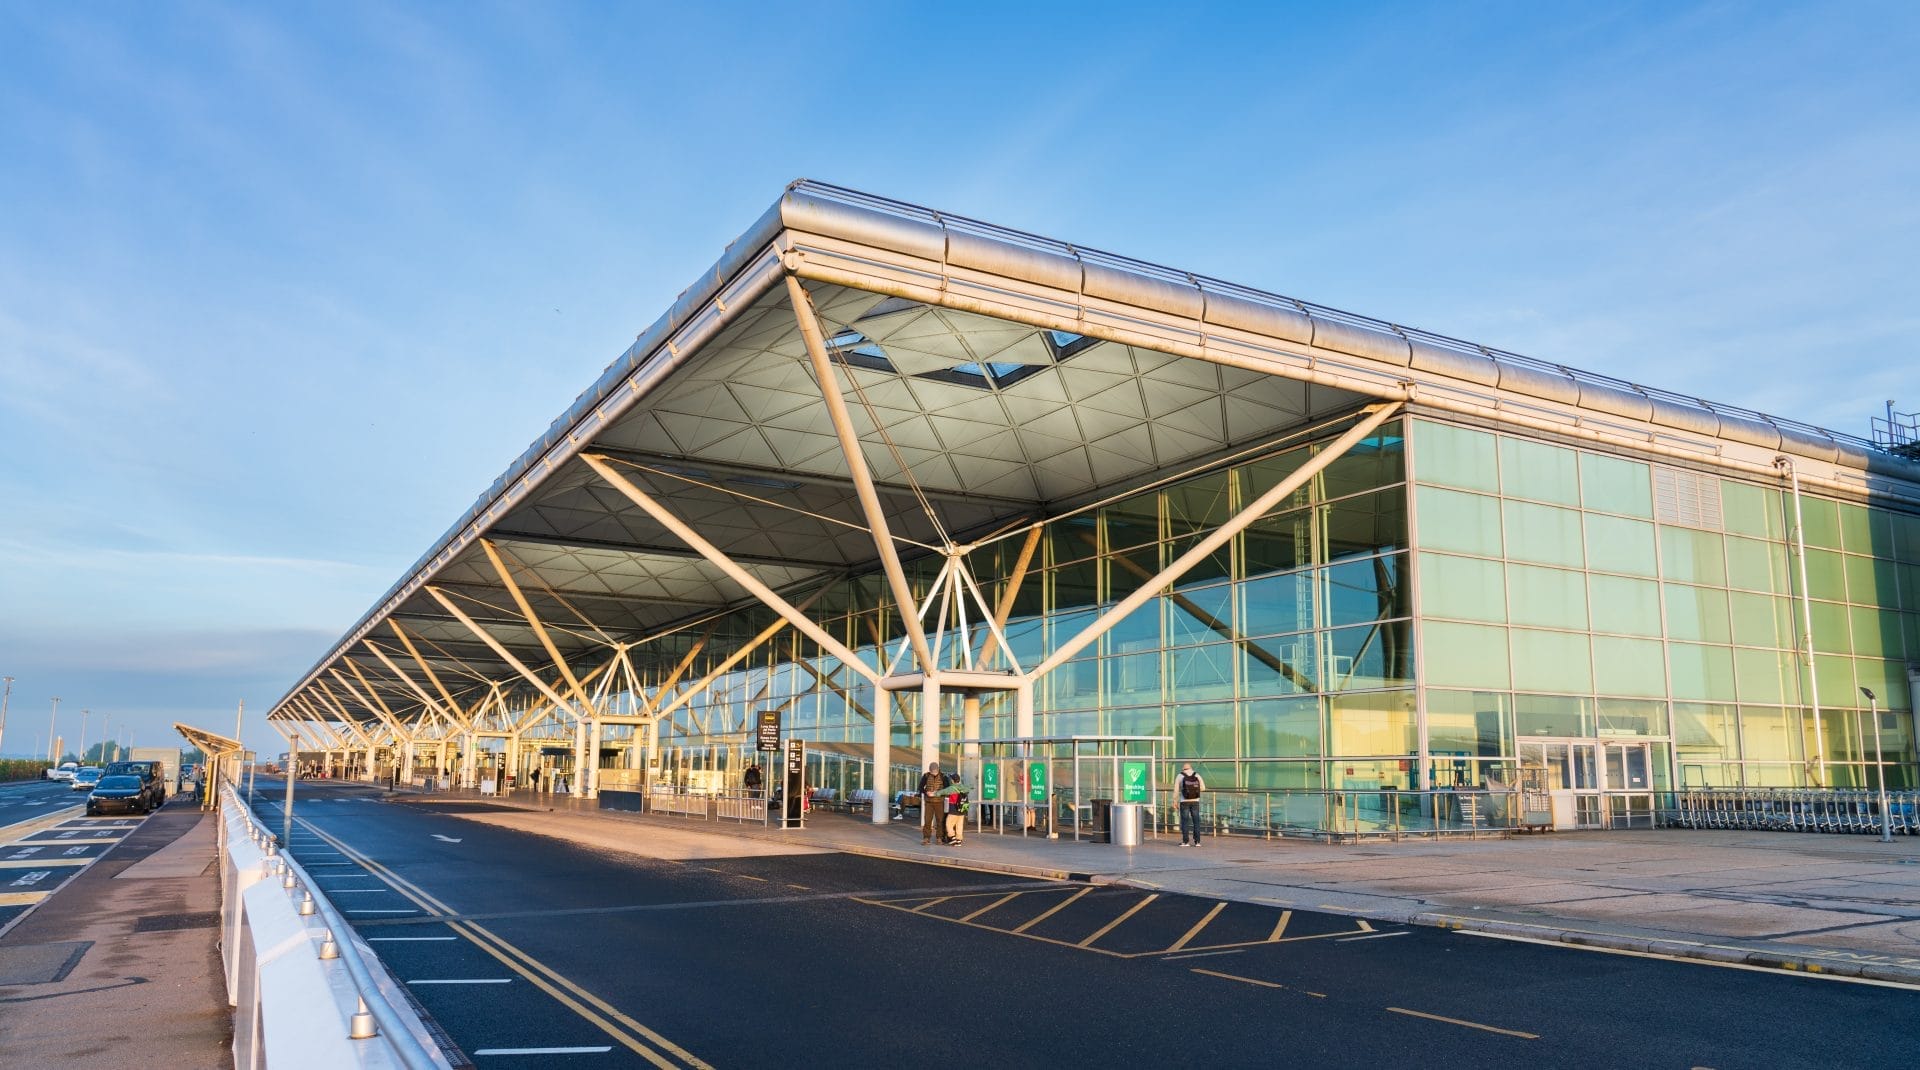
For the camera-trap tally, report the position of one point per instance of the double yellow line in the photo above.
(644, 1042)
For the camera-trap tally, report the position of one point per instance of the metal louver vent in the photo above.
(1688, 499)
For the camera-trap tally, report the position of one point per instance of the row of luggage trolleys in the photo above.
(1794, 810)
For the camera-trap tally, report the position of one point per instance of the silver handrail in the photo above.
(407, 1046)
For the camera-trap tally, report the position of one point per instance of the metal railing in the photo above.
(1345, 816)
(1790, 810)
(374, 1007)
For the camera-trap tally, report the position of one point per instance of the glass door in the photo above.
(1629, 785)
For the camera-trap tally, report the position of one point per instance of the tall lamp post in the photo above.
(1886, 812)
(83, 735)
(52, 758)
(5, 694)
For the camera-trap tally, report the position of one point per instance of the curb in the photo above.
(44, 821)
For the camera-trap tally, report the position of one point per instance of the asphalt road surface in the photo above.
(535, 952)
(34, 865)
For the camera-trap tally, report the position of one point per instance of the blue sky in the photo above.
(283, 287)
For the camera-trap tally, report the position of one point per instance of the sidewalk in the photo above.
(1846, 905)
(123, 959)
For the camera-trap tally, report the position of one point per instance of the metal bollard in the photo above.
(328, 948)
(361, 1026)
(307, 908)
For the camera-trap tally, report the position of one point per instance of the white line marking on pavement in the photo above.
(445, 839)
(350, 891)
(463, 981)
(405, 939)
(383, 912)
(1371, 936)
(544, 1051)
(1200, 955)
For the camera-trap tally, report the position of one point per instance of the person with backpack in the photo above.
(956, 813)
(1187, 788)
(932, 810)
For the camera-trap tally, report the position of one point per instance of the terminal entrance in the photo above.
(1593, 783)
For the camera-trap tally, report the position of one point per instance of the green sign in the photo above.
(989, 781)
(1037, 782)
(1133, 782)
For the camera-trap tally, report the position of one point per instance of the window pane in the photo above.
(1822, 521)
(1366, 524)
(1632, 717)
(1450, 520)
(1270, 776)
(1134, 521)
(1697, 613)
(1199, 505)
(1826, 575)
(1465, 655)
(1757, 566)
(1279, 543)
(1467, 723)
(1617, 545)
(1376, 461)
(1380, 722)
(1701, 672)
(1203, 671)
(1204, 730)
(1622, 605)
(1629, 667)
(1551, 661)
(1690, 556)
(1865, 531)
(1552, 715)
(1133, 677)
(1770, 734)
(1360, 591)
(1539, 471)
(1465, 587)
(1832, 628)
(1282, 728)
(1876, 633)
(1836, 685)
(1767, 676)
(1762, 620)
(1705, 732)
(1611, 485)
(1872, 581)
(1281, 666)
(1547, 597)
(1376, 655)
(1275, 604)
(1751, 510)
(1455, 456)
(1201, 616)
(1543, 534)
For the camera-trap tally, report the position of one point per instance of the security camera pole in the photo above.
(1886, 812)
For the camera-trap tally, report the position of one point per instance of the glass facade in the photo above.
(1562, 594)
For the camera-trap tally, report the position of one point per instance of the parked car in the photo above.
(85, 778)
(120, 792)
(63, 771)
(151, 775)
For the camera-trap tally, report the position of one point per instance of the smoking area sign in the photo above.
(989, 781)
(1133, 782)
(1037, 782)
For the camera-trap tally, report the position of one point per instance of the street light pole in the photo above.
(83, 735)
(5, 694)
(53, 759)
(1886, 812)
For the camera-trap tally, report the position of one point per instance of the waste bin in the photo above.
(1102, 819)
(1126, 824)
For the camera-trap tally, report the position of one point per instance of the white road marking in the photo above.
(405, 939)
(409, 911)
(1371, 936)
(544, 1051)
(445, 839)
(463, 981)
(1200, 955)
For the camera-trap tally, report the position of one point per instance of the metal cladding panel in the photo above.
(1162, 295)
(1752, 432)
(1473, 367)
(1682, 417)
(1037, 266)
(1361, 341)
(1616, 402)
(1802, 444)
(1551, 386)
(1886, 464)
(1226, 310)
(805, 212)
(1853, 456)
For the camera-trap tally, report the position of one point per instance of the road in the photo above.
(533, 951)
(36, 862)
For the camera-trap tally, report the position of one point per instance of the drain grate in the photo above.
(165, 923)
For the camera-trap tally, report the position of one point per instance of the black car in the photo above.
(150, 774)
(120, 792)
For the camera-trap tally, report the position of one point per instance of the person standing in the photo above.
(1187, 788)
(752, 780)
(956, 809)
(932, 804)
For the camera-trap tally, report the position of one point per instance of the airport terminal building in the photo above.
(911, 481)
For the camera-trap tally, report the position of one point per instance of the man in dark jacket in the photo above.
(933, 805)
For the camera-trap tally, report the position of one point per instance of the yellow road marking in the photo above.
(1054, 909)
(1909, 986)
(930, 903)
(1007, 898)
(21, 899)
(1115, 923)
(1263, 984)
(499, 949)
(1469, 1025)
(801, 887)
(42, 863)
(750, 877)
(1280, 926)
(62, 843)
(1199, 925)
(1364, 926)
